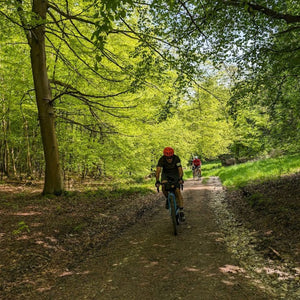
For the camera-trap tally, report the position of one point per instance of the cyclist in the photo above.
(170, 167)
(196, 165)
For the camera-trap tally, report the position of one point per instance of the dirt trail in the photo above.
(148, 262)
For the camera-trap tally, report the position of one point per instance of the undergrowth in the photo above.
(255, 171)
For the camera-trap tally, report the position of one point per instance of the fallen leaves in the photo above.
(63, 231)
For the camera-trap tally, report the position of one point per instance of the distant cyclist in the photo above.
(170, 166)
(196, 166)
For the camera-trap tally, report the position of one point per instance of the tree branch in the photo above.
(70, 90)
(89, 127)
(81, 59)
(69, 17)
(288, 18)
(192, 18)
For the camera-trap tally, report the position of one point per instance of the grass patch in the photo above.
(111, 189)
(255, 171)
(112, 192)
(188, 174)
(211, 166)
(206, 167)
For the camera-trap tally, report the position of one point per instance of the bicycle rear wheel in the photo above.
(194, 174)
(173, 212)
(198, 173)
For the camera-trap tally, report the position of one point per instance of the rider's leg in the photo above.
(164, 188)
(165, 192)
(179, 198)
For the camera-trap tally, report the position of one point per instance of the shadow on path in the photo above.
(148, 262)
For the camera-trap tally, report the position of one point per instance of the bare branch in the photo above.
(69, 17)
(81, 59)
(191, 17)
(148, 44)
(13, 21)
(89, 127)
(70, 90)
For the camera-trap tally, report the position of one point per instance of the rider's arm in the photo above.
(157, 173)
(180, 170)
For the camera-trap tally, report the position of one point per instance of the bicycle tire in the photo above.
(173, 212)
(194, 174)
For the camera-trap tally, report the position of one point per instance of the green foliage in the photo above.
(210, 166)
(108, 11)
(115, 189)
(259, 48)
(207, 168)
(19, 126)
(146, 79)
(188, 174)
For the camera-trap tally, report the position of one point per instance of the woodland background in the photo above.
(108, 84)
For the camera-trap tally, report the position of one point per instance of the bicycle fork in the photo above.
(172, 200)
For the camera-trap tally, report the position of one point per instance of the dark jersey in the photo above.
(169, 169)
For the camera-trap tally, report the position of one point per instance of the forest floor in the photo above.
(241, 244)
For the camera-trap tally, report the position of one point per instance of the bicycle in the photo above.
(196, 172)
(170, 187)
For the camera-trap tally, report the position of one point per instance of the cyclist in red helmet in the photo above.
(170, 167)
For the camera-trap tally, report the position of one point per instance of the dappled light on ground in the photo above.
(149, 262)
(232, 269)
(52, 244)
(30, 213)
(275, 275)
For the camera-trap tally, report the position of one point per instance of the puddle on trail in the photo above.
(280, 279)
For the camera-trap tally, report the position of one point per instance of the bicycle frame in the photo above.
(197, 172)
(173, 208)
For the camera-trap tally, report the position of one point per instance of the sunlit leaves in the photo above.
(147, 80)
(107, 13)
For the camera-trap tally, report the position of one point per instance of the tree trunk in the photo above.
(5, 149)
(29, 171)
(53, 178)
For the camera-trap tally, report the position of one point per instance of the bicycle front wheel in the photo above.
(173, 212)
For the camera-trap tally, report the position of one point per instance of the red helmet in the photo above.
(168, 151)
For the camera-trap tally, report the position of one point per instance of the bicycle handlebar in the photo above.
(181, 187)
